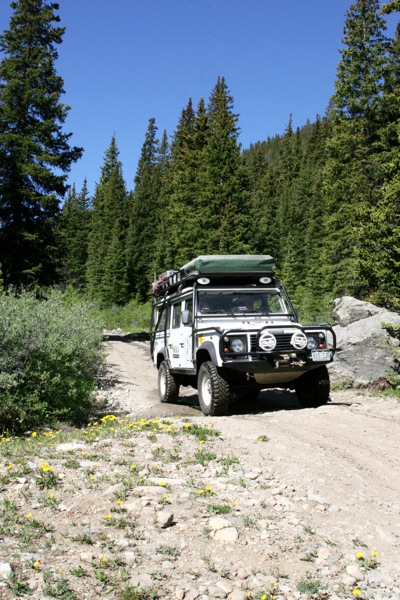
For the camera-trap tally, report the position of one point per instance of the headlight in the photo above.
(237, 345)
(311, 342)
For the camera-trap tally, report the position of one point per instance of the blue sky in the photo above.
(126, 61)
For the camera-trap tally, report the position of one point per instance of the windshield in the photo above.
(229, 302)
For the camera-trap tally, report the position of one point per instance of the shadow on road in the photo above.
(272, 400)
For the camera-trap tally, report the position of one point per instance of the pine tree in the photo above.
(74, 232)
(144, 219)
(107, 276)
(353, 175)
(34, 151)
(383, 232)
(184, 184)
(223, 214)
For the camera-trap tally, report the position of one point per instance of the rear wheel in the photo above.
(313, 388)
(213, 390)
(168, 389)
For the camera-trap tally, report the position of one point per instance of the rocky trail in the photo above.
(273, 502)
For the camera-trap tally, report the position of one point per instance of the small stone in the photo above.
(348, 580)
(165, 518)
(218, 523)
(68, 446)
(141, 581)
(241, 574)
(216, 592)
(318, 498)
(86, 556)
(375, 578)
(131, 506)
(192, 594)
(225, 586)
(354, 571)
(229, 535)
(323, 555)
(5, 570)
(238, 595)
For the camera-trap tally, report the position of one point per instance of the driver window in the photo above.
(177, 316)
(161, 319)
(189, 307)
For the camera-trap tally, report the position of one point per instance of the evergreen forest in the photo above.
(322, 199)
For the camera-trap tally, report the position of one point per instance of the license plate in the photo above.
(321, 356)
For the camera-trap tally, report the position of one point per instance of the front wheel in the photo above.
(313, 388)
(168, 389)
(213, 390)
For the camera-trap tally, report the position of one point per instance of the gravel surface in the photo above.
(162, 502)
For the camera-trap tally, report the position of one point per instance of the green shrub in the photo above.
(50, 355)
(134, 317)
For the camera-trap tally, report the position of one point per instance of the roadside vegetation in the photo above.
(50, 357)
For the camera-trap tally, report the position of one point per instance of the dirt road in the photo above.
(341, 462)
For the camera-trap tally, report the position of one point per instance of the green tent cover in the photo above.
(225, 264)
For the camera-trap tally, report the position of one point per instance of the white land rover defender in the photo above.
(224, 325)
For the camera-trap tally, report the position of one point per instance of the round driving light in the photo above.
(311, 343)
(203, 280)
(265, 280)
(299, 340)
(237, 345)
(267, 341)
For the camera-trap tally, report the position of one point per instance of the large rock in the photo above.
(366, 351)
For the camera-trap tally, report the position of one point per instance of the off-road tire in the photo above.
(313, 388)
(168, 389)
(213, 390)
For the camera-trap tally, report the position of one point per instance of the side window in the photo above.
(161, 317)
(177, 316)
(189, 307)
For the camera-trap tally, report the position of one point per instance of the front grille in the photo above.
(283, 344)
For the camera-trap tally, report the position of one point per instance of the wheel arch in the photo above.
(204, 353)
(162, 355)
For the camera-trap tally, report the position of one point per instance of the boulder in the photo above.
(366, 350)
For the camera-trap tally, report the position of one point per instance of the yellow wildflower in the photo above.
(356, 592)
(359, 555)
(374, 553)
(29, 515)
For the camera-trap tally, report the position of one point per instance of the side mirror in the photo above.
(186, 317)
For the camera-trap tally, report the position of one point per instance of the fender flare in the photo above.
(162, 354)
(210, 349)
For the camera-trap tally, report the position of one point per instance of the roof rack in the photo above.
(215, 265)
